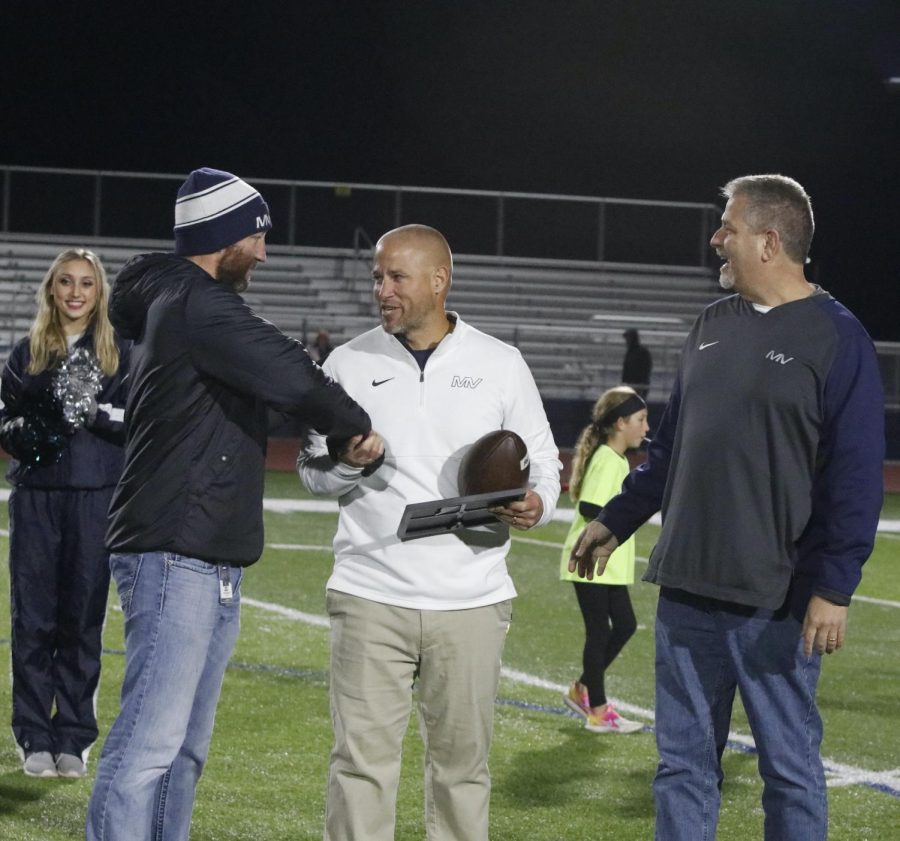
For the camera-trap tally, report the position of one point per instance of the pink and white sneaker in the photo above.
(576, 699)
(609, 721)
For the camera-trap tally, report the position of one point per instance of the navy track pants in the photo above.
(59, 576)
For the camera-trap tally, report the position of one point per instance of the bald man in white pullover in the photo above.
(433, 611)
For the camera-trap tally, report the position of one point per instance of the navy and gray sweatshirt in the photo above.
(767, 462)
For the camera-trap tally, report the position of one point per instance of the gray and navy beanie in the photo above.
(215, 209)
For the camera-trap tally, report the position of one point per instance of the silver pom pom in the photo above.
(76, 384)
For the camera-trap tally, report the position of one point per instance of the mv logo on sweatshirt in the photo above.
(465, 382)
(778, 357)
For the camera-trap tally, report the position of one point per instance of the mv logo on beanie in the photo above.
(215, 209)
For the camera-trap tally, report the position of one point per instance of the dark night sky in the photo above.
(641, 99)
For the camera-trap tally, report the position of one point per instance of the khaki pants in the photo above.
(377, 653)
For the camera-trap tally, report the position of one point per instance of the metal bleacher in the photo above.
(555, 275)
(297, 291)
(640, 264)
(566, 317)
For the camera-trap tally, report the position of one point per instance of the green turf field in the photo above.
(265, 778)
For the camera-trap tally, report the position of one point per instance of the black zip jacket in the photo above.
(204, 369)
(88, 458)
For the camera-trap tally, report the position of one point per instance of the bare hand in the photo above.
(521, 514)
(593, 547)
(824, 626)
(363, 449)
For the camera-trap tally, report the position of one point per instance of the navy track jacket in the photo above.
(92, 457)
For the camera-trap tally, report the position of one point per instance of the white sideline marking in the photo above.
(298, 505)
(298, 547)
(550, 544)
(560, 515)
(329, 506)
(642, 560)
(287, 506)
(837, 774)
(288, 612)
(871, 600)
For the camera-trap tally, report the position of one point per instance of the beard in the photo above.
(234, 269)
(726, 273)
(398, 327)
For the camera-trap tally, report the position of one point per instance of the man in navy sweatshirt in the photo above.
(767, 465)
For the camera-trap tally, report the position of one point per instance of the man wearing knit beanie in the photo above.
(186, 517)
(215, 212)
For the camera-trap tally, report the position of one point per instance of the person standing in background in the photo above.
(618, 423)
(63, 395)
(321, 347)
(637, 364)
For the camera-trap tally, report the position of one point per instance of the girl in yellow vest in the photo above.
(618, 422)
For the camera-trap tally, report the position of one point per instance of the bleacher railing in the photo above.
(329, 214)
(139, 205)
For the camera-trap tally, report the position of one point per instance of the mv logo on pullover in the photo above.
(778, 357)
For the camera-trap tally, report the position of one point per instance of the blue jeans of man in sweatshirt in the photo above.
(181, 626)
(705, 649)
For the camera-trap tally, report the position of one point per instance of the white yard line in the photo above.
(882, 602)
(298, 547)
(838, 774)
(561, 515)
(327, 506)
(531, 541)
(324, 506)
(288, 612)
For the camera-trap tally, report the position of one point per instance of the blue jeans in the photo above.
(705, 649)
(179, 634)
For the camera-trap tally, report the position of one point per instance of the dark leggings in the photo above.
(609, 623)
